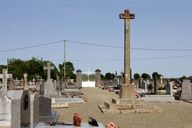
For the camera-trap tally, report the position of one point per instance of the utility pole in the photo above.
(64, 66)
(127, 91)
(7, 64)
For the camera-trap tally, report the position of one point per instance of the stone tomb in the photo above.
(168, 98)
(20, 108)
(186, 93)
(70, 93)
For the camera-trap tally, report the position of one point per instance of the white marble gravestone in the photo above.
(49, 89)
(5, 102)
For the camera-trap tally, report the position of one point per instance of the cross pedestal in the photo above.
(127, 92)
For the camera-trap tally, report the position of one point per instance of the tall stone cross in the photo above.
(5, 76)
(126, 16)
(48, 68)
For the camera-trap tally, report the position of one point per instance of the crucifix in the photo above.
(127, 16)
(4, 77)
(48, 68)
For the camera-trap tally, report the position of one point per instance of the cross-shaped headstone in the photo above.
(5, 76)
(48, 68)
(25, 81)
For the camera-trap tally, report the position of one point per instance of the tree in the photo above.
(69, 70)
(156, 74)
(183, 77)
(17, 67)
(32, 67)
(145, 76)
(109, 76)
(2, 67)
(102, 77)
(136, 76)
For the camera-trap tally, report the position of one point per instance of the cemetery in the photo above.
(44, 95)
(33, 102)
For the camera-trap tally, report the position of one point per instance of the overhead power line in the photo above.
(91, 44)
(103, 45)
(32, 46)
(94, 44)
(134, 48)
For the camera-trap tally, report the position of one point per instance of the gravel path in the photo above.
(174, 115)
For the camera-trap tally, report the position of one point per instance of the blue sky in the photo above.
(159, 24)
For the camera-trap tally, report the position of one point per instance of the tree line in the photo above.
(34, 68)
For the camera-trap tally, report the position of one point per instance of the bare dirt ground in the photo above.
(174, 115)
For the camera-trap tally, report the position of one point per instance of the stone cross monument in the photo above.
(5, 76)
(5, 102)
(49, 89)
(48, 68)
(127, 90)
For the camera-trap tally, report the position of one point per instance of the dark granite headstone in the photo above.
(44, 106)
(45, 112)
(167, 88)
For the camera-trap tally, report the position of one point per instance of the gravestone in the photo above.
(171, 88)
(137, 84)
(143, 85)
(45, 112)
(49, 89)
(41, 87)
(34, 104)
(167, 88)
(155, 89)
(20, 108)
(186, 93)
(34, 109)
(5, 102)
(25, 82)
(97, 78)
